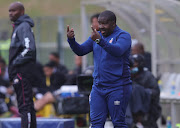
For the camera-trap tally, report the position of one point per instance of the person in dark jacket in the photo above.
(139, 105)
(138, 48)
(4, 91)
(54, 57)
(148, 81)
(22, 58)
(4, 70)
(112, 83)
(72, 75)
(54, 80)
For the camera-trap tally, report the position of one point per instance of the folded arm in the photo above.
(122, 44)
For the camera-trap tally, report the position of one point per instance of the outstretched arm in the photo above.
(78, 49)
(46, 99)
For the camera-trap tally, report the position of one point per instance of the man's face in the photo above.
(54, 59)
(48, 71)
(134, 65)
(95, 23)
(15, 12)
(105, 26)
(134, 50)
(134, 70)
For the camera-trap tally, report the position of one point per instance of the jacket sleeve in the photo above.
(122, 44)
(26, 38)
(82, 49)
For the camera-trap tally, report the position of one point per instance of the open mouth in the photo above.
(103, 31)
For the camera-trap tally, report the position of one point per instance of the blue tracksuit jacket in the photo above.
(111, 57)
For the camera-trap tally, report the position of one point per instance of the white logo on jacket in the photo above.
(26, 40)
(111, 40)
(117, 102)
(14, 35)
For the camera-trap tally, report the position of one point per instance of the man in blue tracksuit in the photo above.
(112, 85)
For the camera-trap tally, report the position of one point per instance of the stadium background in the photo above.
(52, 16)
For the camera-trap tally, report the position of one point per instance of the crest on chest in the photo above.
(111, 40)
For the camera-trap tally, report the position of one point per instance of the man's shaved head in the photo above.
(19, 5)
(16, 9)
(138, 48)
(109, 15)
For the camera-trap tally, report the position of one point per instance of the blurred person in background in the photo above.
(54, 80)
(6, 93)
(4, 89)
(72, 75)
(139, 105)
(112, 85)
(146, 79)
(138, 48)
(4, 70)
(5, 42)
(51, 97)
(94, 21)
(78, 65)
(22, 58)
(39, 82)
(43, 100)
(54, 57)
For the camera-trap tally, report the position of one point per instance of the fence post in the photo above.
(60, 39)
(84, 32)
(38, 37)
(153, 38)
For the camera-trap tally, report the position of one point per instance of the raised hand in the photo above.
(70, 32)
(95, 34)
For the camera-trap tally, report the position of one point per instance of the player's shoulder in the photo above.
(123, 32)
(24, 25)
